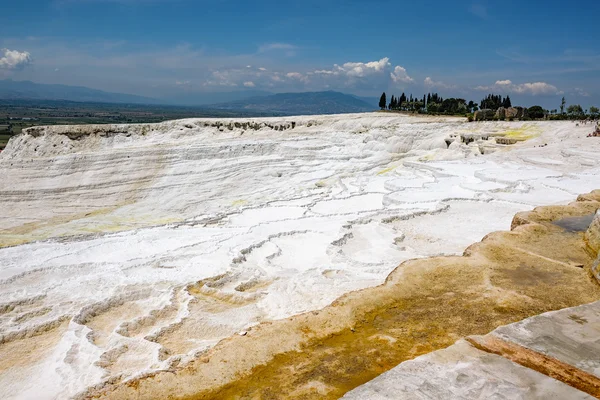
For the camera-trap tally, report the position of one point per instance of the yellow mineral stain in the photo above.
(523, 133)
(386, 170)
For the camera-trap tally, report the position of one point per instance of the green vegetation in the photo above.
(494, 102)
(536, 112)
(383, 101)
(573, 112)
(430, 103)
(491, 108)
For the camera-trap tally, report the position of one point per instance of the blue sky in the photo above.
(536, 51)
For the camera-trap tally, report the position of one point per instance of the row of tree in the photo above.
(433, 103)
(494, 102)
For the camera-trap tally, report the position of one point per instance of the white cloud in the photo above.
(14, 59)
(430, 83)
(531, 88)
(347, 76)
(361, 70)
(222, 78)
(182, 83)
(324, 72)
(373, 73)
(288, 48)
(535, 88)
(581, 92)
(297, 76)
(399, 75)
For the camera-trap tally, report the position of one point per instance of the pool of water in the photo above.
(575, 224)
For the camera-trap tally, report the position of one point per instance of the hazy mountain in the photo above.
(10, 89)
(372, 101)
(27, 90)
(300, 103)
(247, 101)
(205, 98)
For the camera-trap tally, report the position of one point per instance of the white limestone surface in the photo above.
(129, 248)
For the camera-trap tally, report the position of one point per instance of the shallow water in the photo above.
(575, 224)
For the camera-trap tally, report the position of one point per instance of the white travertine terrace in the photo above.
(130, 248)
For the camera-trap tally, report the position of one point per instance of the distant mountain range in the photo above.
(10, 89)
(206, 98)
(249, 101)
(299, 103)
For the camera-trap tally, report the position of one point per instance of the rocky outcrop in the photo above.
(592, 239)
(503, 140)
(500, 113)
(515, 112)
(511, 113)
(484, 115)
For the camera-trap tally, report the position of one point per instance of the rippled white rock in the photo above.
(134, 247)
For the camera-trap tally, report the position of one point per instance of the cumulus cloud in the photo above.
(297, 76)
(430, 83)
(377, 72)
(355, 75)
(400, 75)
(536, 88)
(249, 84)
(14, 59)
(531, 88)
(360, 70)
(357, 69)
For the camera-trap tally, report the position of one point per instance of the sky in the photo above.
(535, 51)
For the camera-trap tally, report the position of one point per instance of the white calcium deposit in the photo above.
(126, 249)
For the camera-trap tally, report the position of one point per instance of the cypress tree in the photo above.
(382, 101)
